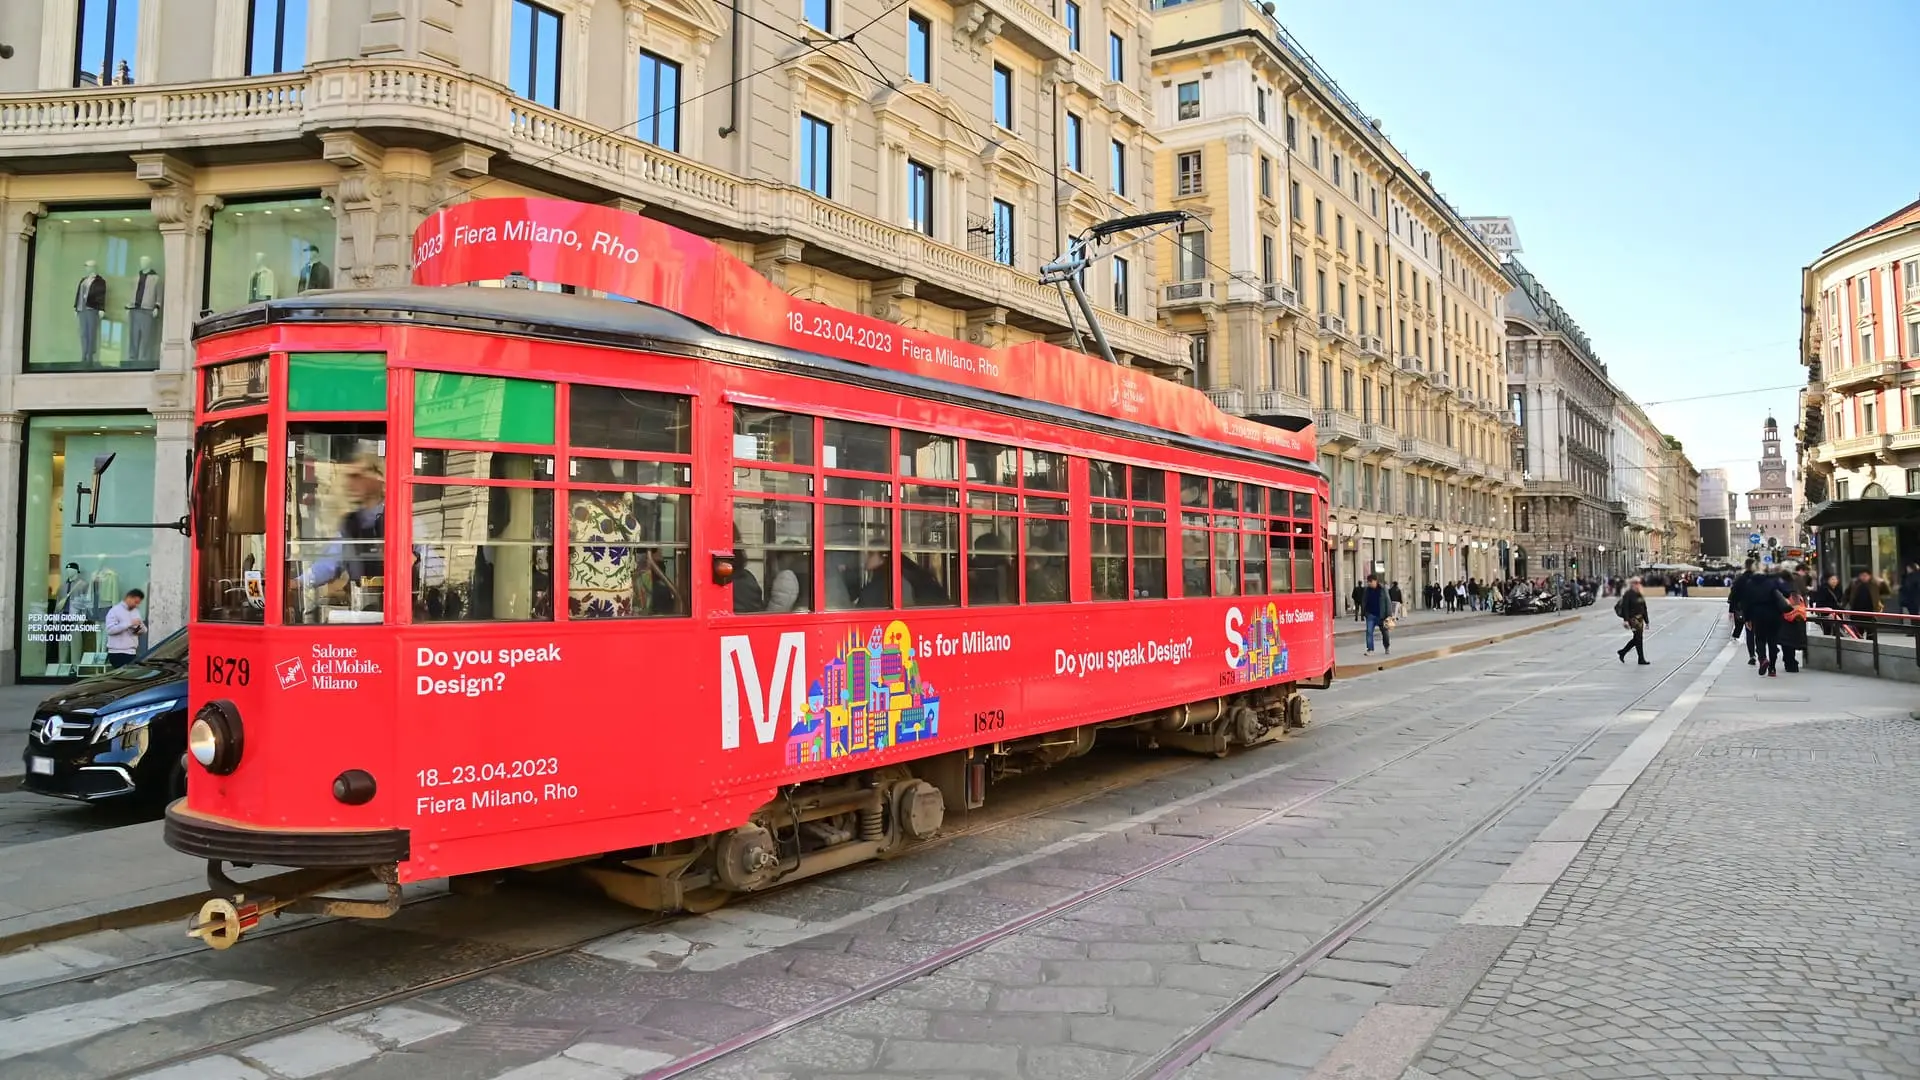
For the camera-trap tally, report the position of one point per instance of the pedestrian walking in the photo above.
(1864, 597)
(1832, 597)
(1397, 599)
(123, 629)
(1765, 611)
(1793, 630)
(1632, 609)
(1910, 590)
(1374, 608)
(1358, 591)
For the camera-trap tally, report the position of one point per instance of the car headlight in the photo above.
(109, 725)
(216, 737)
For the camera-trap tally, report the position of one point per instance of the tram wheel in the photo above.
(700, 901)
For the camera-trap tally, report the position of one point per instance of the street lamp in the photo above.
(1605, 570)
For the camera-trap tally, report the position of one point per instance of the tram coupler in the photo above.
(241, 906)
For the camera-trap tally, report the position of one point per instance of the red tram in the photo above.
(701, 592)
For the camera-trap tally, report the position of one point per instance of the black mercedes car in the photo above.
(117, 736)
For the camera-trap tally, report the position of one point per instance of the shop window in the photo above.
(336, 523)
(479, 408)
(333, 382)
(71, 575)
(268, 249)
(105, 41)
(533, 67)
(276, 36)
(97, 291)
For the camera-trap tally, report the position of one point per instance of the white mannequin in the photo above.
(260, 284)
(89, 301)
(143, 316)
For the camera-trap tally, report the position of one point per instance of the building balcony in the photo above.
(1875, 374)
(1274, 292)
(1280, 403)
(428, 102)
(1230, 400)
(1857, 448)
(1903, 441)
(1031, 25)
(1377, 438)
(1186, 294)
(1337, 426)
(1333, 327)
(1442, 380)
(1128, 102)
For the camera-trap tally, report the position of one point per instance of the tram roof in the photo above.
(623, 325)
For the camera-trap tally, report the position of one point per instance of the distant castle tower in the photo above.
(1771, 504)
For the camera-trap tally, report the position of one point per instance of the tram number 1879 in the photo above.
(989, 720)
(229, 671)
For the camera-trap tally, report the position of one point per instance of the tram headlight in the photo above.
(216, 738)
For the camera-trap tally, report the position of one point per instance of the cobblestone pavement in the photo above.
(1751, 908)
(1415, 791)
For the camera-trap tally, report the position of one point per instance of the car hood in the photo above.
(136, 684)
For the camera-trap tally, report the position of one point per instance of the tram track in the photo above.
(1210, 1032)
(1345, 720)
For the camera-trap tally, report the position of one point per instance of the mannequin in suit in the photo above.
(143, 317)
(260, 284)
(315, 275)
(89, 301)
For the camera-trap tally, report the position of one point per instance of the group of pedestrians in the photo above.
(1770, 608)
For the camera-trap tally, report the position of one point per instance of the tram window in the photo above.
(929, 559)
(1193, 490)
(928, 495)
(610, 418)
(993, 500)
(991, 463)
(1303, 556)
(991, 545)
(628, 554)
(1302, 506)
(1107, 541)
(777, 437)
(230, 520)
(1046, 561)
(628, 472)
(235, 385)
(1253, 561)
(1280, 549)
(1106, 480)
(773, 542)
(856, 447)
(772, 481)
(1149, 554)
(481, 464)
(1148, 485)
(849, 487)
(336, 523)
(482, 553)
(859, 556)
(1045, 506)
(1044, 471)
(1226, 562)
(482, 408)
(1195, 578)
(928, 457)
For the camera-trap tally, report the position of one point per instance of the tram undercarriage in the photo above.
(807, 830)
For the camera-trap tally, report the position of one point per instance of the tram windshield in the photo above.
(230, 520)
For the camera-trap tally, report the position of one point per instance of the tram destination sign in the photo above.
(601, 248)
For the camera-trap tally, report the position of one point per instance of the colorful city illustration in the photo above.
(1266, 653)
(869, 697)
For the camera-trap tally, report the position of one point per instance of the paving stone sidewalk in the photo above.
(1751, 908)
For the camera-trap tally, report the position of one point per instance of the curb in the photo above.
(163, 909)
(1347, 671)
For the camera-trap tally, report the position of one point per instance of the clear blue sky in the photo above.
(1669, 167)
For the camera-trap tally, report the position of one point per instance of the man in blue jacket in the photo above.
(1375, 607)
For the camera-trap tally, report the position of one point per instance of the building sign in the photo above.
(1498, 233)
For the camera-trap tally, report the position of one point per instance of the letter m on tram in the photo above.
(787, 687)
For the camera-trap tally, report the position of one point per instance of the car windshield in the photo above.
(171, 649)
